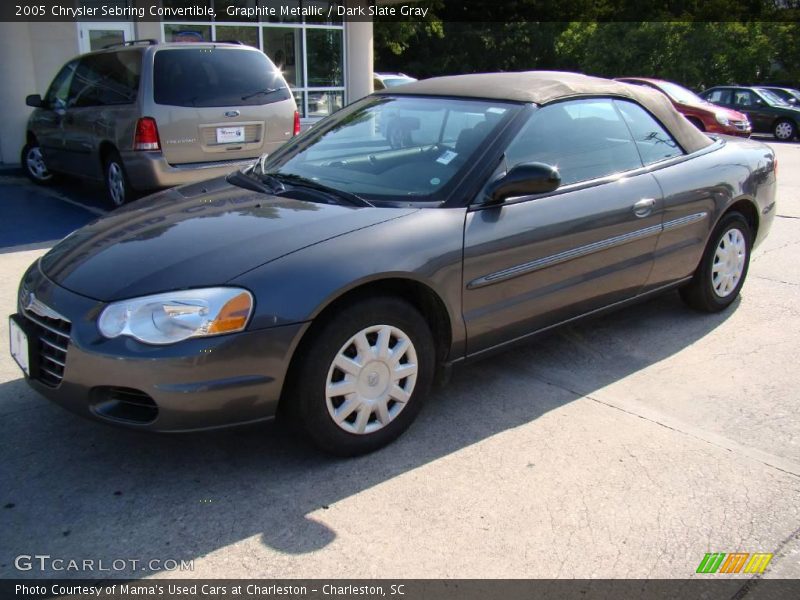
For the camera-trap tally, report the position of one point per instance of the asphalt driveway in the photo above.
(625, 446)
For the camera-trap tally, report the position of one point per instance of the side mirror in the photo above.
(523, 180)
(759, 102)
(34, 100)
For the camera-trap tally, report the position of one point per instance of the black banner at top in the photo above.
(339, 11)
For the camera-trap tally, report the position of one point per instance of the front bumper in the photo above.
(197, 384)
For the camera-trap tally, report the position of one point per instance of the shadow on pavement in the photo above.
(82, 489)
(31, 215)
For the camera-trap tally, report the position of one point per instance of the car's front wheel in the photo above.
(784, 130)
(118, 189)
(34, 165)
(362, 379)
(723, 268)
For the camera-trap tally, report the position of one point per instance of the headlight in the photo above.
(176, 316)
(722, 119)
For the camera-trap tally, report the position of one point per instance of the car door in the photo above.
(756, 109)
(535, 261)
(47, 123)
(80, 116)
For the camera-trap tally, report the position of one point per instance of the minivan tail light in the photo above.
(146, 137)
(296, 123)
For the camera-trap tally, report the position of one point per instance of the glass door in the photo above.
(97, 35)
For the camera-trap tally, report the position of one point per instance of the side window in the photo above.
(743, 98)
(584, 139)
(57, 93)
(719, 96)
(106, 79)
(653, 141)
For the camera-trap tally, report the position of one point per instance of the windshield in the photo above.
(680, 93)
(771, 97)
(394, 149)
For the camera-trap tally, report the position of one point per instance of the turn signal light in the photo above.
(296, 123)
(146, 137)
(233, 316)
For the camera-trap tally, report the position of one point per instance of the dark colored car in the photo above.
(767, 112)
(702, 114)
(790, 95)
(336, 278)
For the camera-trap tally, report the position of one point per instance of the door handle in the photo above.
(644, 207)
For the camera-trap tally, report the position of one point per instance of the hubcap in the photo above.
(728, 265)
(116, 184)
(35, 163)
(371, 379)
(783, 131)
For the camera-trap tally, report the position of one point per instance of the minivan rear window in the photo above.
(214, 76)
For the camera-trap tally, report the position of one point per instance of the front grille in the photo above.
(741, 125)
(50, 342)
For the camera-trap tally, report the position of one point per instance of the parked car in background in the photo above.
(337, 277)
(381, 81)
(141, 115)
(767, 112)
(702, 114)
(790, 95)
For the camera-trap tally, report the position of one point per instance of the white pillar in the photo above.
(359, 59)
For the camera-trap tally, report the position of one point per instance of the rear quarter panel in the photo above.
(709, 183)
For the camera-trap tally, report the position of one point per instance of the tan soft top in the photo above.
(541, 87)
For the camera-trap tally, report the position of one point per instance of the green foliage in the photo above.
(685, 49)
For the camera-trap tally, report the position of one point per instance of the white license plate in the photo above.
(19, 345)
(230, 135)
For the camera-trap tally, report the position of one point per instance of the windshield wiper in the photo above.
(300, 181)
(264, 91)
(240, 179)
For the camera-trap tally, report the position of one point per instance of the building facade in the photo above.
(326, 61)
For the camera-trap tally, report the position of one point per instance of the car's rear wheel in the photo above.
(362, 379)
(784, 130)
(723, 268)
(118, 189)
(34, 165)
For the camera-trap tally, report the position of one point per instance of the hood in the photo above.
(198, 235)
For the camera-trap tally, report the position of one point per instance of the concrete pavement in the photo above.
(625, 446)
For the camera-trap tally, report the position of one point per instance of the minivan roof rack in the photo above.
(149, 42)
(237, 42)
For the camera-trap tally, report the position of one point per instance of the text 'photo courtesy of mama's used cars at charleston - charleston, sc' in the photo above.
(333, 281)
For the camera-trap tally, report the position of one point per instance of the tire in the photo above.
(115, 180)
(380, 406)
(717, 282)
(784, 130)
(34, 166)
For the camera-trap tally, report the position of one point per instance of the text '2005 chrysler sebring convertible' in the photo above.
(337, 277)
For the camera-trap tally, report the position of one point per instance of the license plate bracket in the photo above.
(230, 135)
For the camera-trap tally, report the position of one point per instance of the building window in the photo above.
(309, 50)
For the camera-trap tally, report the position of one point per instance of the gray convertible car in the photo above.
(333, 281)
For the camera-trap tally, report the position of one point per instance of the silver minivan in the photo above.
(143, 116)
